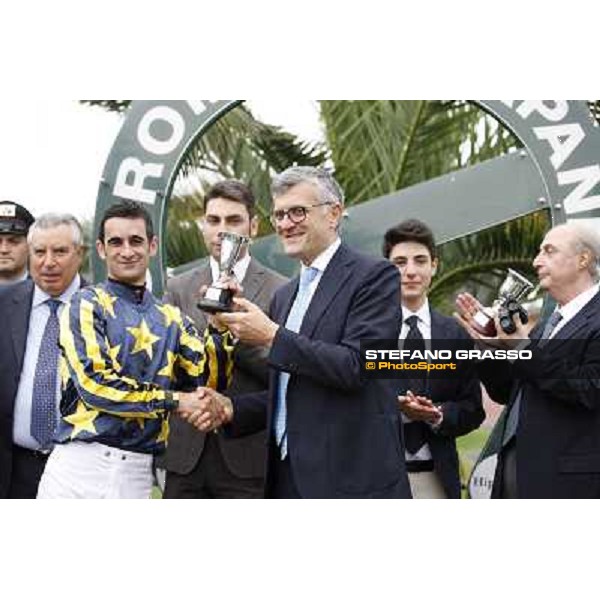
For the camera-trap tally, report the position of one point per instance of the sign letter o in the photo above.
(165, 114)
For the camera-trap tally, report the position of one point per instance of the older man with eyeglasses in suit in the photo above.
(332, 434)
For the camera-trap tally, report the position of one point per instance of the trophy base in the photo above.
(214, 306)
(484, 324)
(216, 300)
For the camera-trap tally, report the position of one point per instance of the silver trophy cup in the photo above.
(218, 297)
(514, 288)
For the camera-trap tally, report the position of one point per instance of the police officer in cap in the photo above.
(15, 221)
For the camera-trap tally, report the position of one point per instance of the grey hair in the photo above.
(52, 220)
(328, 188)
(586, 239)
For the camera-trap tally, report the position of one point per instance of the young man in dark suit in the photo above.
(56, 250)
(551, 441)
(332, 433)
(203, 465)
(437, 410)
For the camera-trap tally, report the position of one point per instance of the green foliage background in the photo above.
(374, 147)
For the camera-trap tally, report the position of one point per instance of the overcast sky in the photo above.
(53, 152)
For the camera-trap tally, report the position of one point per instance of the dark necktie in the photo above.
(553, 321)
(512, 420)
(43, 408)
(415, 432)
(414, 341)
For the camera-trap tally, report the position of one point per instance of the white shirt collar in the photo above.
(39, 296)
(571, 308)
(239, 269)
(423, 314)
(322, 261)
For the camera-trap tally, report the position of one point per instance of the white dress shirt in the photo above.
(239, 269)
(320, 263)
(570, 309)
(40, 312)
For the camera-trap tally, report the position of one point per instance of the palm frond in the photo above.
(477, 263)
(380, 146)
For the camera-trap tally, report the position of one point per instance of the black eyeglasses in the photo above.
(296, 214)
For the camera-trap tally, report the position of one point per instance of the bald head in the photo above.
(567, 263)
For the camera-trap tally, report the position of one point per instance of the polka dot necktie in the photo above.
(43, 409)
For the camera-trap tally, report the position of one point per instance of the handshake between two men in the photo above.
(204, 408)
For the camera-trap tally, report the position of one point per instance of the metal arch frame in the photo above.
(150, 179)
(559, 136)
(530, 121)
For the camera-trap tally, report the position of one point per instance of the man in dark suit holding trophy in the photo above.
(211, 465)
(332, 434)
(550, 447)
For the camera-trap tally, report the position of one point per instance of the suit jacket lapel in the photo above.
(572, 328)
(332, 280)
(19, 310)
(253, 280)
(580, 320)
(203, 277)
(287, 294)
(439, 331)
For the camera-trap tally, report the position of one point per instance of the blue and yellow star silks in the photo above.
(123, 353)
